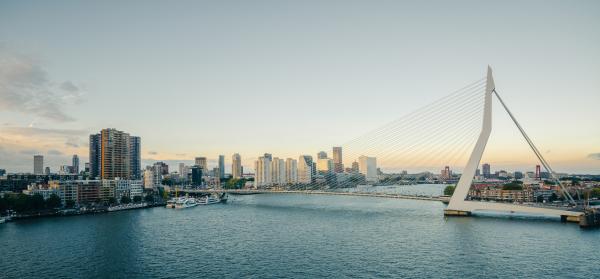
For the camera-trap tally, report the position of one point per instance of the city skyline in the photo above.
(51, 92)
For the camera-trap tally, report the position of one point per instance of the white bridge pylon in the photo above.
(459, 206)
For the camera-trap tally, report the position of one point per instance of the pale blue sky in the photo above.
(292, 77)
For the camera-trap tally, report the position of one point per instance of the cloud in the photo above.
(71, 144)
(25, 87)
(152, 152)
(29, 152)
(180, 154)
(54, 152)
(594, 156)
(33, 132)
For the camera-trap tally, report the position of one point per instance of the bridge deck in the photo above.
(316, 192)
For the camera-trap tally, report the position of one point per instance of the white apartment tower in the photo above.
(291, 171)
(278, 175)
(262, 167)
(368, 167)
(305, 165)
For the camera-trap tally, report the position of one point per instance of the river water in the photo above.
(297, 236)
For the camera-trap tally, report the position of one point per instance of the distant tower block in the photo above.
(538, 175)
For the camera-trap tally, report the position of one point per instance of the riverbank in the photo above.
(81, 211)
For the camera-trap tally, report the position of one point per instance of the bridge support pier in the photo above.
(452, 212)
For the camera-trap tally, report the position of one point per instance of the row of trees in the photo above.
(26, 204)
(235, 183)
(22, 203)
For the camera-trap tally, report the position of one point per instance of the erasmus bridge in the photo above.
(453, 130)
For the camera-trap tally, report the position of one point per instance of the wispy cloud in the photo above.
(54, 152)
(31, 131)
(25, 87)
(153, 153)
(594, 156)
(29, 152)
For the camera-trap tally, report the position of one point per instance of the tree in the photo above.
(449, 190)
(125, 200)
(137, 199)
(149, 198)
(22, 203)
(3, 204)
(37, 202)
(595, 193)
(53, 201)
(69, 203)
(112, 200)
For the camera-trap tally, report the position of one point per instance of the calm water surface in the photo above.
(289, 236)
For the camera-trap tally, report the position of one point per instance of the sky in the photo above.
(203, 78)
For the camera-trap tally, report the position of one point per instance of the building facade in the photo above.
(201, 162)
(291, 171)
(38, 164)
(263, 173)
(115, 154)
(236, 166)
(338, 164)
(75, 164)
(221, 173)
(135, 146)
(305, 169)
(368, 167)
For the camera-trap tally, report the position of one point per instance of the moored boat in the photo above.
(206, 200)
(186, 202)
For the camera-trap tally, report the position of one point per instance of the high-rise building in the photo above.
(197, 172)
(305, 169)
(183, 171)
(201, 162)
(75, 164)
(38, 164)
(135, 146)
(148, 179)
(355, 167)
(446, 173)
(162, 168)
(324, 165)
(322, 155)
(291, 171)
(113, 155)
(221, 166)
(47, 171)
(278, 174)
(95, 154)
(485, 168)
(236, 165)
(338, 166)
(263, 174)
(368, 167)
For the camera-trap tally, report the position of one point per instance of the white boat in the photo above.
(206, 200)
(185, 202)
(126, 206)
(2, 220)
(171, 203)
